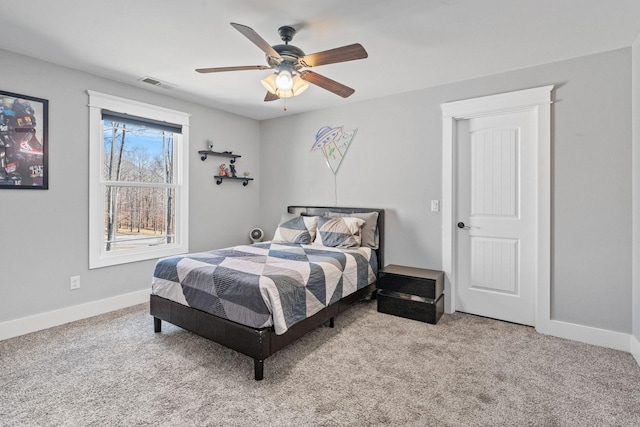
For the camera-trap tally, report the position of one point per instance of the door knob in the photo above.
(462, 226)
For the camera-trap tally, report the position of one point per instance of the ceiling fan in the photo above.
(288, 61)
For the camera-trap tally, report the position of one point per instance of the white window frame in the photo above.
(98, 256)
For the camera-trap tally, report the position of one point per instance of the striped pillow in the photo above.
(296, 229)
(339, 232)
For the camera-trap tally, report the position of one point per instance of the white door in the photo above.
(496, 216)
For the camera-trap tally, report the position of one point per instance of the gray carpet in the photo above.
(371, 369)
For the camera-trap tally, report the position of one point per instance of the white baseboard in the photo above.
(588, 335)
(38, 322)
(635, 348)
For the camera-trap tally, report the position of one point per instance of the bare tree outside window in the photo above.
(139, 176)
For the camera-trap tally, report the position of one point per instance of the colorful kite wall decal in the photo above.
(334, 143)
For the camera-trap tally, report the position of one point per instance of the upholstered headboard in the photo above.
(320, 210)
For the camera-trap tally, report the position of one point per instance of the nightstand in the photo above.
(413, 293)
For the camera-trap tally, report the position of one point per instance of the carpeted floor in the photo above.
(371, 369)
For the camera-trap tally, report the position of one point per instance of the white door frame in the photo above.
(537, 100)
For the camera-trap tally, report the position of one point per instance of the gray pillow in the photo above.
(339, 232)
(370, 233)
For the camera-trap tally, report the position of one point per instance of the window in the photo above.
(138, 186)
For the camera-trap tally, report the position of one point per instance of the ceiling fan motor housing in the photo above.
(289, 53)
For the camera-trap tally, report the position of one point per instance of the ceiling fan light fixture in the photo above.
(284, 80)
(298, 87)
(269, 83)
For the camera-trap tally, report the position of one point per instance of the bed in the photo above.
(250, 298)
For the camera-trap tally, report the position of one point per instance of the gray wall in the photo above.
(395, 163)
(44, 234)
(636, 191)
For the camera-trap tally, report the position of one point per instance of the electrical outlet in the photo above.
(74, 282)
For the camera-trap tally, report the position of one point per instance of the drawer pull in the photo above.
(402, 295)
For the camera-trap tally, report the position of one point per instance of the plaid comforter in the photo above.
(265, 284)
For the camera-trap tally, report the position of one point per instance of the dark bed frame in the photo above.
(261, 343)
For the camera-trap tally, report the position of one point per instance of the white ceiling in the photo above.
(412, 44)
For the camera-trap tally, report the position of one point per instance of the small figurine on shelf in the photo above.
(233, 170)
(210, 144)
(223, 170)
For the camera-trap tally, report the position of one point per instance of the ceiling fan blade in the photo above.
(332, 56)
(327, 83)
(239, 68)
(271, 97)
(256, 39)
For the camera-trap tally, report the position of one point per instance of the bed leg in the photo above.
(332, 322)
(258, 369)
(157, 325)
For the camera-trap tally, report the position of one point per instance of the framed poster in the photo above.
(24, 141)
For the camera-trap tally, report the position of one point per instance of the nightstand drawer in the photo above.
(410, 306)
(414, 281)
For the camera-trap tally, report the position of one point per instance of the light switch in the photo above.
(435, 206)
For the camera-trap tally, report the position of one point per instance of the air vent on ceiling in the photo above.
(157, 83)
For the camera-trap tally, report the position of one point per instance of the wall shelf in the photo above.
(219, 178)
(246, 180)
(229, 154)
